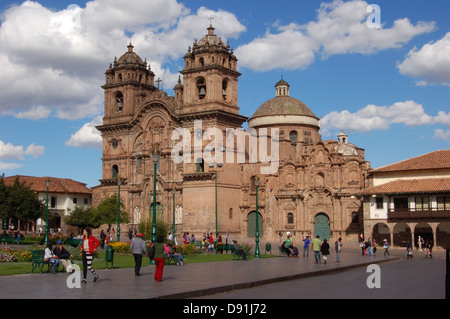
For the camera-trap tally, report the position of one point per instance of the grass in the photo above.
(120, 261)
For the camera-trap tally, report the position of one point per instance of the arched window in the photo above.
(115, 172)
(355, 218)
(293, 136)
(119, 101)
(224, 88)
(290, 218)
(200, 166)
(201, 88)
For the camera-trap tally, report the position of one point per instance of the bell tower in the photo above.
(210, 76)
(128, 81)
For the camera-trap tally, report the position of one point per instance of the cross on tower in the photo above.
(157, 81)
(210, 19)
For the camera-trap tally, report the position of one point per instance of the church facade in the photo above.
(209, 171)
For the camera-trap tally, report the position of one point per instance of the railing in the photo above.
(413, 213)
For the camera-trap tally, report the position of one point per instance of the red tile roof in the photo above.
(409, 186)
(56, 185)
(434, 160)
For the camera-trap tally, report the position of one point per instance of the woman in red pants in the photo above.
(160, 249)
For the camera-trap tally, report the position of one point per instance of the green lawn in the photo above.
(120, 261)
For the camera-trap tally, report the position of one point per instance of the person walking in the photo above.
(325, 250)
(338, 248)
(161, 250)
(89, 246)
(316, 248)
(386, 247)
(138, 248)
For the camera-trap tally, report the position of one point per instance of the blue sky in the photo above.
(386, 87)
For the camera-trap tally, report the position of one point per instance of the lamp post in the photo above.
(47, 183)
(173, 218)
(119, 182)
(217, 165)
(257, 253)
(155, 156)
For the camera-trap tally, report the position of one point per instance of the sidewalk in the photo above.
(188, 281)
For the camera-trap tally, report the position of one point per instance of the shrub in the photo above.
(188, 249)
(120, 247)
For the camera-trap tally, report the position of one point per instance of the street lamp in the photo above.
(47, 183)
(119, 182)
(257, 253)
(155, 157)
(217, 165)
(173, 218)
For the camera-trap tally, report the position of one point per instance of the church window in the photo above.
(115, 171)
(201, 87)
(119, 101)
(355, 218)
(200, 166)
(307, 137)
(230, 213)
(224, 88)
(290, 218)
(293, 136)
(202, 62)
(115, 143)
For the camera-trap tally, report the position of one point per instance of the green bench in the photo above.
(282, 252)
(236, 254)
(223, 247)
(37, 261)
(7, 239)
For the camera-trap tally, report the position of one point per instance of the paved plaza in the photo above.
(235, 277)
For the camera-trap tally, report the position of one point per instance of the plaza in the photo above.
(400, 278)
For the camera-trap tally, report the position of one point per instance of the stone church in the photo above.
(307, 191)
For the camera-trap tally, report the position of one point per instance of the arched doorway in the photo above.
(251, 227)
(402, 235)
(424, 231)
(380, 233)
(443, 235)
(322, 226)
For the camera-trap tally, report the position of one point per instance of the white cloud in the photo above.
(7, 166)
(441, 134)
(11, 152)
(88, 136)
(374, 117)
(340, 28)
(431, 63)
(53, 62)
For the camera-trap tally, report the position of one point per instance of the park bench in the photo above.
(37, 261)
(223, 247)
(7, 239)
(282, 253)
(236, 254)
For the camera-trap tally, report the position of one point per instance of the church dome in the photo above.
(283, 109)
(130, 57)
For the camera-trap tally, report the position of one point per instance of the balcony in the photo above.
(397, 213)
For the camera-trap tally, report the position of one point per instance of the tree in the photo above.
(19, 201)
(106, 212)
(82, 217)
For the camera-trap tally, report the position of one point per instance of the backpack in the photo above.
(151, 253)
